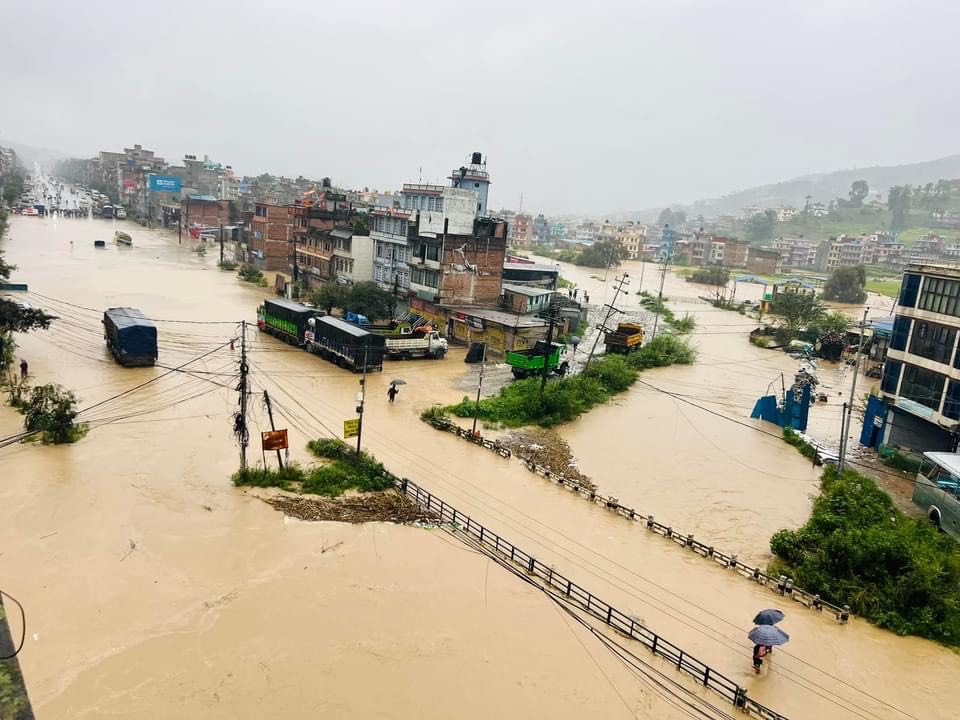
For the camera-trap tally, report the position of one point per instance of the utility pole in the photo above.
(266, 400)
(476, 411)
(551, 317)
(663, 276)
(240, 425)
(621, 281)
(362, 395)
(853, 390)
(221, 262)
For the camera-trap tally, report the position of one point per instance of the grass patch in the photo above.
(792, 437)
(858, 549)
(889, 288)
(520, 403)
(344, 471)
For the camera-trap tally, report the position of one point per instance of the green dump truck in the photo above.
(524, 363)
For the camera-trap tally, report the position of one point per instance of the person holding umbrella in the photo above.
(394, 391)
(764, 637)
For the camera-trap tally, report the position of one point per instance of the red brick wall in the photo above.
(468, 287)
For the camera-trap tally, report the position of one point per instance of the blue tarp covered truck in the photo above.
(131, 337)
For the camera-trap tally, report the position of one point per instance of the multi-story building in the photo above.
(785, 214)
(521, 230)
(272, 229)
(921, 376)
(541, 230)
(764, 261)
(474, 177)
(228, 186)
(632, 236)
(315, 218)
(390, 228)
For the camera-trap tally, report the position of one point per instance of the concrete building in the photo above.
(390, 228)
(525, 299)
(315, 217)
(521, 230)
(228, 186)
(541, 230)
(632, 237)
(921, 376)
(474, 177)
(761, 261)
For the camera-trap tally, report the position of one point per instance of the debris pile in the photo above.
(547, 449)
(388, 506)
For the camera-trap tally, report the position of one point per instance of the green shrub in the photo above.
(684, 325)
(792, 437)
(613, 372)
(857, 549)
(250, 274)
(267, 477)
(330, 448)
(762, 341)
(665, 349)
(227, 265)
(52, 411)
(891, 457)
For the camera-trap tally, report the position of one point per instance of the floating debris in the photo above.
(388, 506)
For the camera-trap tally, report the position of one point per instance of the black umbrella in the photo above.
(398, 381)
(768, 635)
(770, 616)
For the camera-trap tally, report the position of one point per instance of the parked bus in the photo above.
(937, 491)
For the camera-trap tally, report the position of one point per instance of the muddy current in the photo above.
(154, 588)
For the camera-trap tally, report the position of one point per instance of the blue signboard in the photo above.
(164, 183)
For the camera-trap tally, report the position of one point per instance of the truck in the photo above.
(131, 337)
(344, 343)
(936, 491)
(524, 363)
(286, 320)
(404, 340)
(627, 338)
(415, 342)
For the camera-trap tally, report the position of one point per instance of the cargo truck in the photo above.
(344, 343)
(285, 319)
(407, 342)
(524, 363)
(131, 337)
(627, 338)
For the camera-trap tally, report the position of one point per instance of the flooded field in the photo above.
(155, 588)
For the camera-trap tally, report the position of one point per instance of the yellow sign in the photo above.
(351, 428)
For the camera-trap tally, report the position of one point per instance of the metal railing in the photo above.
(614, 618)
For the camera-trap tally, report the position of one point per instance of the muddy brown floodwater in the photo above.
(154, 588)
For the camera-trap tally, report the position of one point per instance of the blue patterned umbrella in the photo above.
(768, 635)
(770, 616)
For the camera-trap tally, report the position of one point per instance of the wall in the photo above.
(362, 252)
(459, 207)
(478, 283)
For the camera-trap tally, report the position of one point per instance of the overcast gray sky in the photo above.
(586, 107)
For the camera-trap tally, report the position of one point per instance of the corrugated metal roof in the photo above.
(341, 234)
(202, 198)
(528, 291)
(536, 267)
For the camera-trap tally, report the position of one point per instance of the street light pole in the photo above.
(476, 411)
(363, 395)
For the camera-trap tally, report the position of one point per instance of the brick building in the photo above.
(204, 210)
(316, 218)
(764, 261)
(272, 229)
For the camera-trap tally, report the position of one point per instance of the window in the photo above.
(922, 386)
(934, 342)
(429, 252)
(939, 295)
(951, 406)
(428, 278)
(400, 254)
(378, 273)
(476, 185)
(901, 329)
(261, 212)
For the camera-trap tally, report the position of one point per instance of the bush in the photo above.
(898, 460)
(613, 372)
(792, 437)
(684, 325)
(763, 341)
(267, 477)
(857, 549)
(250, 274)
(228, 265)
(665, 349)
(51, 410)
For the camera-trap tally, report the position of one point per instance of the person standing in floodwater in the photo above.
(392, 393)
(758, 652)
(23, 369)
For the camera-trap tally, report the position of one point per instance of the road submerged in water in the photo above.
(154, 587)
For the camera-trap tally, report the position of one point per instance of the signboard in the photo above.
(165, 183)
(351, 428)
(129, 183)
(274, 440)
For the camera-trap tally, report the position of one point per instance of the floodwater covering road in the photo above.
(154, 588)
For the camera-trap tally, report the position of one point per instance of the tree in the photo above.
(831, 323)
(603, 254)
(846, 285)
(368, 298)
(330, 295)
(797, 311)
(898, 201)
(858, 191)
(679, 217)
(714, 275)
(761, 226)
(52, 410)
(16, 317)
(666, 217)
